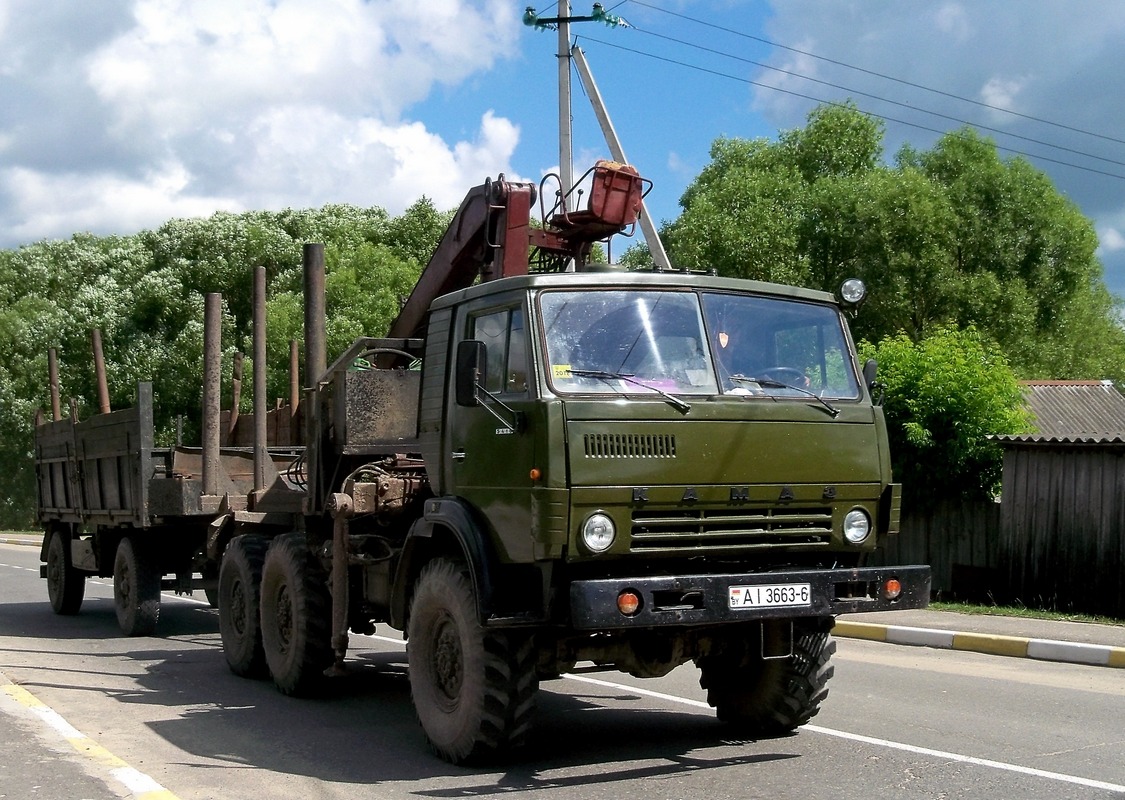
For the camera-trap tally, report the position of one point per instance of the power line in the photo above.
(823, 101)
(880, 98)
(876, 74)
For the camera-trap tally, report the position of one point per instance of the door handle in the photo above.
(458, 455)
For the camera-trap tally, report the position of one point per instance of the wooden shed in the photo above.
(1062, 511)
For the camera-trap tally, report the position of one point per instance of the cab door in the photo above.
(491, 447)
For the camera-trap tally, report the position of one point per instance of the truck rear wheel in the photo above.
(239, 599)
(772, 696)
(473, 690)
(136, 588)
(295, 615)
(66, 586)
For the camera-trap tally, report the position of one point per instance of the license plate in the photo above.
(782, 595)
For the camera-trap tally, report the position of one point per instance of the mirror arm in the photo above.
(517, 421)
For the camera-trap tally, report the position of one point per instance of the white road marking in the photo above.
(139, 785)
(854, 737)
(142, 780)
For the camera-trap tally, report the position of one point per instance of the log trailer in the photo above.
(544, 462)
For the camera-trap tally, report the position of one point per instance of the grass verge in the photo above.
(1023, 611)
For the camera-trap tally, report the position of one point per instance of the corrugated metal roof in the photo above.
(1074, 412)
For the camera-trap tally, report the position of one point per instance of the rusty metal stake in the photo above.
(261, 454)
(99, 371)
(294, 392)
(53, 376)
(341, 507)
(236, 396)
(316, 363)
(212, 379)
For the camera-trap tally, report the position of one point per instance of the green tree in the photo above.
(945, 395)
(741, 215)
(146, 294)
(950, 236)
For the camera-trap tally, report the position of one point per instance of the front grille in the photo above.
(730, 529)
(629, 445)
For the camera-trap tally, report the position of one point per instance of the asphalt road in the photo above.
(161, 717)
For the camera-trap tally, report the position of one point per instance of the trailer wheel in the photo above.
(473, 690)
(296, 616)
(239, 595)
(136, 588)
(66, 586)
(772, 697)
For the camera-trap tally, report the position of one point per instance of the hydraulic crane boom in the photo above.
(491, 236)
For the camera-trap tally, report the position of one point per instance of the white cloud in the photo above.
(43, 206)
(1002, 92)
(184, 107)
(186, 61)
(325, 157)
(952, 19)
(1110, 240)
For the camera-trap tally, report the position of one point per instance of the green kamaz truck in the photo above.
(545, 462)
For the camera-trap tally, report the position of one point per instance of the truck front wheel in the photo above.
(66, 586)
(136, 588)
(295, 614)
(473, 690)
(239, 595)
(772, 696)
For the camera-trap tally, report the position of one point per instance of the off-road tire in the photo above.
(295, 617)
(473, 690)
(239, 595)
(772, 697)
(136, 588)
(66, 586)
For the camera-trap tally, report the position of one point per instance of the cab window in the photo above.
(505, 340)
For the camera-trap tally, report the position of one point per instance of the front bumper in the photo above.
(703, 599)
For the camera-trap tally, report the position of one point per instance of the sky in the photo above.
(117, 115)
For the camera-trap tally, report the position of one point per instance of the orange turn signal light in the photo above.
(535, 473)
(892, 588)
(628, 602)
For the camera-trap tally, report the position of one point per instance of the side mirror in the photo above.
(472, 365)
(870, 377)
(870, 369)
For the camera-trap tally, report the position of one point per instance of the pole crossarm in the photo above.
(533, 20)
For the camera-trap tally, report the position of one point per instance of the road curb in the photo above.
(992, 644)
(107, 767)
(26, 541)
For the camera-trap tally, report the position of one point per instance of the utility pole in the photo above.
(566, 155)
(652, 238)
(561, 23)
(565, 55)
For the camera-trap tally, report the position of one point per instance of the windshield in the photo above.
(767, 345)
(657, 339)
(687, 343)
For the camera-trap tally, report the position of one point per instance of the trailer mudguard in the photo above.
(447, 524)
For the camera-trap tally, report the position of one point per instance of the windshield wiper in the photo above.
(606, 375)
(831, 409)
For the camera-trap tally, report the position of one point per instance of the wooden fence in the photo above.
(959, 540)
(1056, 540)
(1062, 542)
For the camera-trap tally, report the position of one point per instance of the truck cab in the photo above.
(621, 426)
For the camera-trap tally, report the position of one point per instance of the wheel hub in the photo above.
(448, 662)
(123, 584)
(284, 619)
(238, 608)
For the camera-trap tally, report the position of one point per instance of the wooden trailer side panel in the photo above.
(97, 470)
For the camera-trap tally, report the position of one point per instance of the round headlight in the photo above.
(598, 532)
(852, 291)
(856, 526)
